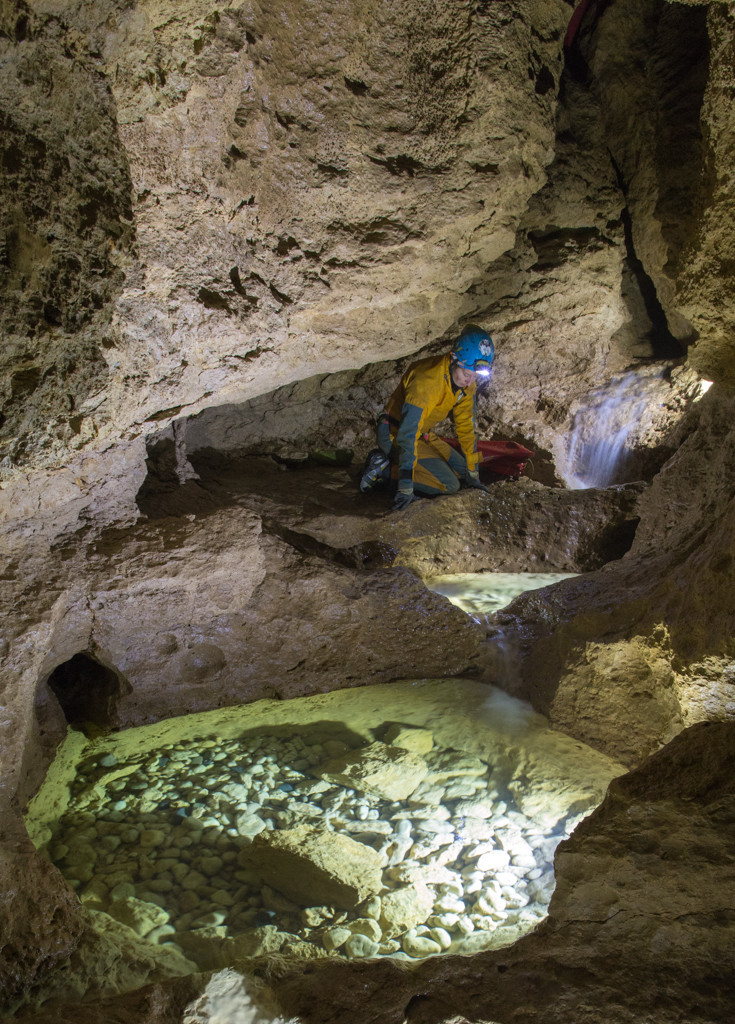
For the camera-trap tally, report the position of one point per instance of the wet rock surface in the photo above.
(214, 850)
(520, 526)
(641, 623)
(637, 895)
(305, 201)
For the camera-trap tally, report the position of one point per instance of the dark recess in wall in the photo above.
(663, 342)
(87, 691)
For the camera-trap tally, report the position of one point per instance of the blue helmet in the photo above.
(474, 350)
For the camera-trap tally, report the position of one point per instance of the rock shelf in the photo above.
(230, 847)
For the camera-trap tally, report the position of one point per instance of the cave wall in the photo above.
(207, 206)
(278, 164)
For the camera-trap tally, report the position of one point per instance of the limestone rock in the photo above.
(454, 764)
(333, 938)
(314, 867)
(420, 946)
(257, 942)
(233, 997)
(359, 945)
(41, 922)
(249, 824)
(419, 741)
(402, 909)
(388, 772)
(366, 926)
(112, 958)
(138, 914)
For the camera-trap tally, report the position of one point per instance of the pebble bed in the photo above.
(160, 841)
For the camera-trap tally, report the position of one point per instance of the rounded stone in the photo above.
(222, 898)
(419, 946)
(361, 946)
(367, 926)
(441, 936)
(152, 837)
(450, 904)
(493, 860)
(333, 938)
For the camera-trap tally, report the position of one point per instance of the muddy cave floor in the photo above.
(519, 526)
(628, 936)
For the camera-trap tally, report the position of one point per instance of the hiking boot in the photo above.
(377, 470)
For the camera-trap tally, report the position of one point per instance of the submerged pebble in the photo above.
(165, 847)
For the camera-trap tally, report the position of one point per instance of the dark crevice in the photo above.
(87, 692)
(370, 555)
(663, 342)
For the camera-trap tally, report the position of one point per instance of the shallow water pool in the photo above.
(405, 820)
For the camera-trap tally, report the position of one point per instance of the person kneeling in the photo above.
(431, 389)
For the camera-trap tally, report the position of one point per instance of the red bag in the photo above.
(502, 458)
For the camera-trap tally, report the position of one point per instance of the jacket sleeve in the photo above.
(466, 427)
(407, 438)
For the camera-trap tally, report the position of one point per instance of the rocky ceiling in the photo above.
(225, 228)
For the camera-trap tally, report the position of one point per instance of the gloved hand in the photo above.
(472, 479)
(404, 495)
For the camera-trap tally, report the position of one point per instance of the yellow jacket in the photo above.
(426, 396)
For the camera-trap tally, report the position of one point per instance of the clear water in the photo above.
(484, 593)
(156, 826)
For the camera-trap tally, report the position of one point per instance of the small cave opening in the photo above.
(87, 691)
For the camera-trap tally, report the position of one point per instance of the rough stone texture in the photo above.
(242, 637)
(311, 189)
(66, 230)
(648, 643)
(520, 526)
(108, 958)
(314, 867)
(641, 878)
(280, 164)
(234, 997)
(419, 741)
(40, 923)
(402, 909)
(388, 772)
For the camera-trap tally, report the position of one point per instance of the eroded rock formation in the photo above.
(225, 229)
